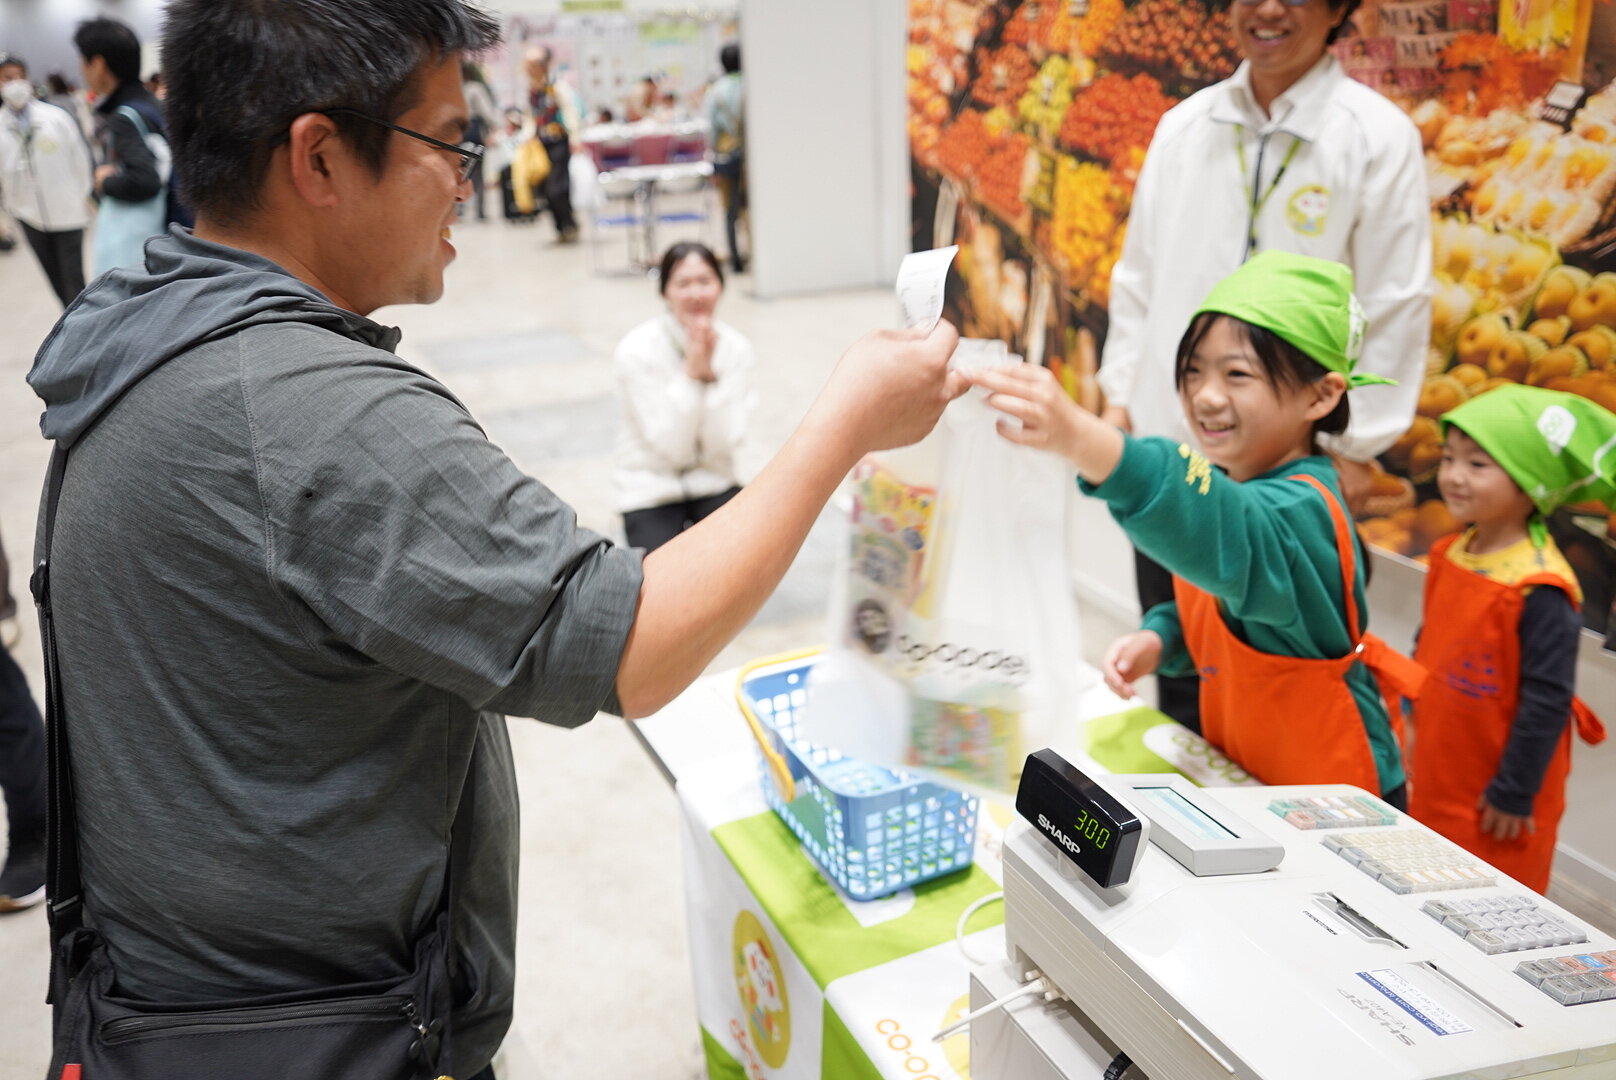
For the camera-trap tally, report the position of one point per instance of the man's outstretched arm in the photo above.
(702, 587)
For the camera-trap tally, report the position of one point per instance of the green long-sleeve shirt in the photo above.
(1265, 548)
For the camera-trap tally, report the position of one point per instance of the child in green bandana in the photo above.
(1492, 727)
(1268, 580)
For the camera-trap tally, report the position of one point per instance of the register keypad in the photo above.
(1573, 979)
(1409, 861)
(1334, 812)
(1503, 924)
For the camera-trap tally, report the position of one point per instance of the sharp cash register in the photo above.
(1272, 933)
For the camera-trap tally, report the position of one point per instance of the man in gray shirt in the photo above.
(295, 584)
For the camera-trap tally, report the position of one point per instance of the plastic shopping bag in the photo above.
(955, 644)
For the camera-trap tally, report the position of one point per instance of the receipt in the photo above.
(920, 286)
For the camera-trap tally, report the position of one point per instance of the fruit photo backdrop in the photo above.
(1028, 120)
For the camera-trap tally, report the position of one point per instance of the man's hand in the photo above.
(1117, 416)
(1502, 826)
(1355, 482)
(101, 174)
(703, 340)
(890, 388)
(1131, 656)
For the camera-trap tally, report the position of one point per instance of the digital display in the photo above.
(1091, 829)
(1085, 823)
(1180, 809)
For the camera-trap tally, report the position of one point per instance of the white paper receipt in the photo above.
(1414, 1001)
(920, 286)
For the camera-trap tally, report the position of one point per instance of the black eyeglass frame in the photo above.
(470, 156)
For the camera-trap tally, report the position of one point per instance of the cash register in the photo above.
(1272, 933)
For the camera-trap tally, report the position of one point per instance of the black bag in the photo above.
(385, 1030)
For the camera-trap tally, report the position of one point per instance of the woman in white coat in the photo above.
(686, 385)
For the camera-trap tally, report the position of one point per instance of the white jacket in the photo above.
(1354, 191)
(45, 168)
(679, 438)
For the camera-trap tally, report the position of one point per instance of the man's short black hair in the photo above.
(240, 71)
(113, 42)
(729, 58)
(1345, 8)
(8, 59)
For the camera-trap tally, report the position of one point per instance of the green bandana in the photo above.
(1560, 448)
(1304, 300)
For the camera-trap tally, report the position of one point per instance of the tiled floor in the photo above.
(524, 338)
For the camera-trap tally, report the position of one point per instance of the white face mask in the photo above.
(17, 93)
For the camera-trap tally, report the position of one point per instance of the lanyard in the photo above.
(1258, 201)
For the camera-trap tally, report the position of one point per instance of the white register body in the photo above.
(1380, 952)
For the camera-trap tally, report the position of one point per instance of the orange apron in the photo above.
(1472, 648)
(1289, 719)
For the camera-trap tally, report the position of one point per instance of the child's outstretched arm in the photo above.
(1050, 419)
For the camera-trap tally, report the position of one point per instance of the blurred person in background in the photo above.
(643, 102)
(726, 117)
(65, 96)
(131, 144)
(555, 116)
(685, 382)
(483, 126)
(22, 768)
(45, 178)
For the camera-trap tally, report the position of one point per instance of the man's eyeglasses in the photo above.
(470, 156)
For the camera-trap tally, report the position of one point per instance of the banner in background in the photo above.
(1028, 121)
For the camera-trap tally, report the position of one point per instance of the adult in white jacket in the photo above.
(45, 175)
(685, 381)
(1288, 153)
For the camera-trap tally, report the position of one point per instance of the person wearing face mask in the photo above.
(685, 380)
(1288, 154)
(45, 174)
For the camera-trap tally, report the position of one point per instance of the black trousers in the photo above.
(732, 190)
(650, 529)
(1179, 698)
(62, 256)
(22, 753)
(558, 188)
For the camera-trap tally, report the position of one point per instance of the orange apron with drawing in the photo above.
(1471, 645)
(1289, 719)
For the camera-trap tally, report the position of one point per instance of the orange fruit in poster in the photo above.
(1440, 394)
(1597, 303)
(1424, 460)
(1473, 376)
(1563, 285)
(1566, 362)
(1598, 344)
(1480, 336)
(1554, 331)
(1512, 358)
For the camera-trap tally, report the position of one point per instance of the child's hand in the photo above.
(1502, 826)
(1131, 656)
(1050, 419)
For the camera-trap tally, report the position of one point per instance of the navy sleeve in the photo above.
(136, 179)
(1548, 631)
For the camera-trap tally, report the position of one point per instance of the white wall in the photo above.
(41, 31)
(827, 157)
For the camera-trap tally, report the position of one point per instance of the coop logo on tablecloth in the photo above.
(764, 1005)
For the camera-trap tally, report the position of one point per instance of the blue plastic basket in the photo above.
(873, 831)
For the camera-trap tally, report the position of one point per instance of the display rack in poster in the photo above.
(1028, 121)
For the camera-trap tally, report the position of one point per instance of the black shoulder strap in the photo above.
(63, 890)
(63, 886)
